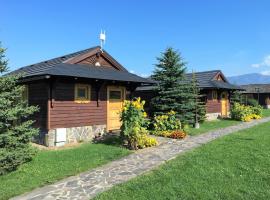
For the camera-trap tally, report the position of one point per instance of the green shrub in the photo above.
(257, 110)
(252, 102)
(134, 125)
(186, 128)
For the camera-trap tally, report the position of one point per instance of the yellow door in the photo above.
(224, 104)
(116, 96)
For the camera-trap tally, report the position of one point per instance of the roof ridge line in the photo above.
(57, 57)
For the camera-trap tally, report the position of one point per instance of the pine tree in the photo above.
(236, 97)
(199, 105)
(15, 129)
(168, 73)
(173, 91)
(186, 102)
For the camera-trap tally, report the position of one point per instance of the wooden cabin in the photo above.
(79, 95)
(259, 92)
(214, 87)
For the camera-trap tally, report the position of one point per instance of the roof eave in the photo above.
(48, 76)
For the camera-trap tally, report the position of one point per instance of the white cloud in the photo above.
(144, 75)
(267, 60)
(266, 73)
(139, 74)
(255, 65)
(264, 63)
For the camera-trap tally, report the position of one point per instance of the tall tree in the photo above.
(168, 73)
(186, 102)
(236, 97)
(15, 129)
(198, 105)
(173, 91)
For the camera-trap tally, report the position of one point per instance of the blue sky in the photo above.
(231, 35)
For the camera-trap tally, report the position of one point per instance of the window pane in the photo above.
(82, 93)
(115, 94)
(214, 95)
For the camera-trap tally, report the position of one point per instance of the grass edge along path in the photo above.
(220, 123)
(93, 182)
(7, 183)
(236, 166)
(212, 125)
(49, 166)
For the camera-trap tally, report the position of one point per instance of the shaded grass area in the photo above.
(236, 166)
(50, 166)
(213, 125)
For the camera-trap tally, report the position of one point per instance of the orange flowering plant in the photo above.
(178, 134)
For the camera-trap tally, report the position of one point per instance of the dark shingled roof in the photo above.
(58, 67)
(92, 72)
(33, 69)
(256, 88)
(205, 80)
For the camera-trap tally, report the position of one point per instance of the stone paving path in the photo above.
(88, 184)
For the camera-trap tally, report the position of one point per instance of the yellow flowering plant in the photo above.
(245, 113)
(166, 122)
(145, 141)
(134, 124)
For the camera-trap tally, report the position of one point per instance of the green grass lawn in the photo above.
(212, 125)
(266, 112)
(222, 123)
(236, 166)
(50, 166)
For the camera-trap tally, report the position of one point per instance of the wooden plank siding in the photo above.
(214, 105)
(97, 58)
(38, 96)
(65, 112)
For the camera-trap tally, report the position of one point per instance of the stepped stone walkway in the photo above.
(88, 184)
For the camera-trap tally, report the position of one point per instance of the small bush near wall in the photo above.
(134, 125)
(245, 113)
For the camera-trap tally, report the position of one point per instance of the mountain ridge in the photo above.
(252, 78)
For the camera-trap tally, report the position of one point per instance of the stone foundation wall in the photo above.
(76, 134)
(267, 106)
